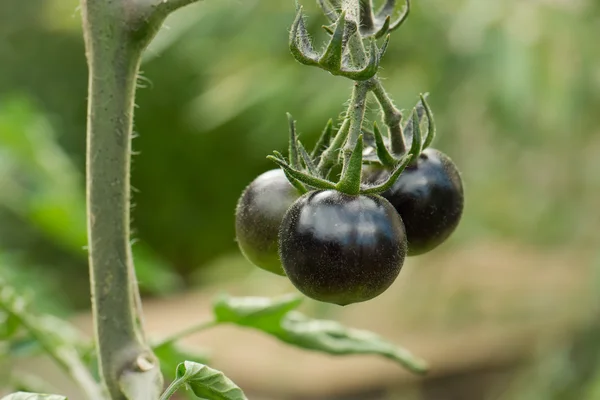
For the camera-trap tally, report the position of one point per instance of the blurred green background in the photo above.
(515, 87)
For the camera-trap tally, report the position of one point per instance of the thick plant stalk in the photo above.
(116, 33)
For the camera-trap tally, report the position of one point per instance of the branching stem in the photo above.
(391, 116)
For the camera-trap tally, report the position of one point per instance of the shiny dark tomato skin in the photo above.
(258, 216)
(428, 196)
(342, 249)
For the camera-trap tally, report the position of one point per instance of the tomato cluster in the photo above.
(345, 242)
(342, 246)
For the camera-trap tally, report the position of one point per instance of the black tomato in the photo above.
(340, 248)
(258, 217)
(428, 196)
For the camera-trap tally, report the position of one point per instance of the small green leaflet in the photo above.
(277, 318)
(407, 129)
(33, 396)
(208, 383)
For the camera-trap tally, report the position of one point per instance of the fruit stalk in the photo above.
(355, 116)
(391, 116)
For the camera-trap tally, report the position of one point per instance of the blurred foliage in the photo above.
(41, 186)
(515, 86)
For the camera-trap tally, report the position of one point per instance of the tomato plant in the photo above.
(321, 219)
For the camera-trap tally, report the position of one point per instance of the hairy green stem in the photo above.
(353, 10)
(116, 33)
(330, 155)
(356, 115)
(349, 130)
(391, 116)
(113, 71)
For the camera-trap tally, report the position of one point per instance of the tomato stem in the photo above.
(116, 33)
(330, 155)
(392, 118)
(355, 116)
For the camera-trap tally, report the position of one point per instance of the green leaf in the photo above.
(389, 182)
(299, 42)
(331, 59)
(33, 396)
(383, 154)
(334, 338)
(431, 130)
(416, 146)
(308, 162)
(206, 383)
(256, 312)
(277, 318)
(302, 176)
